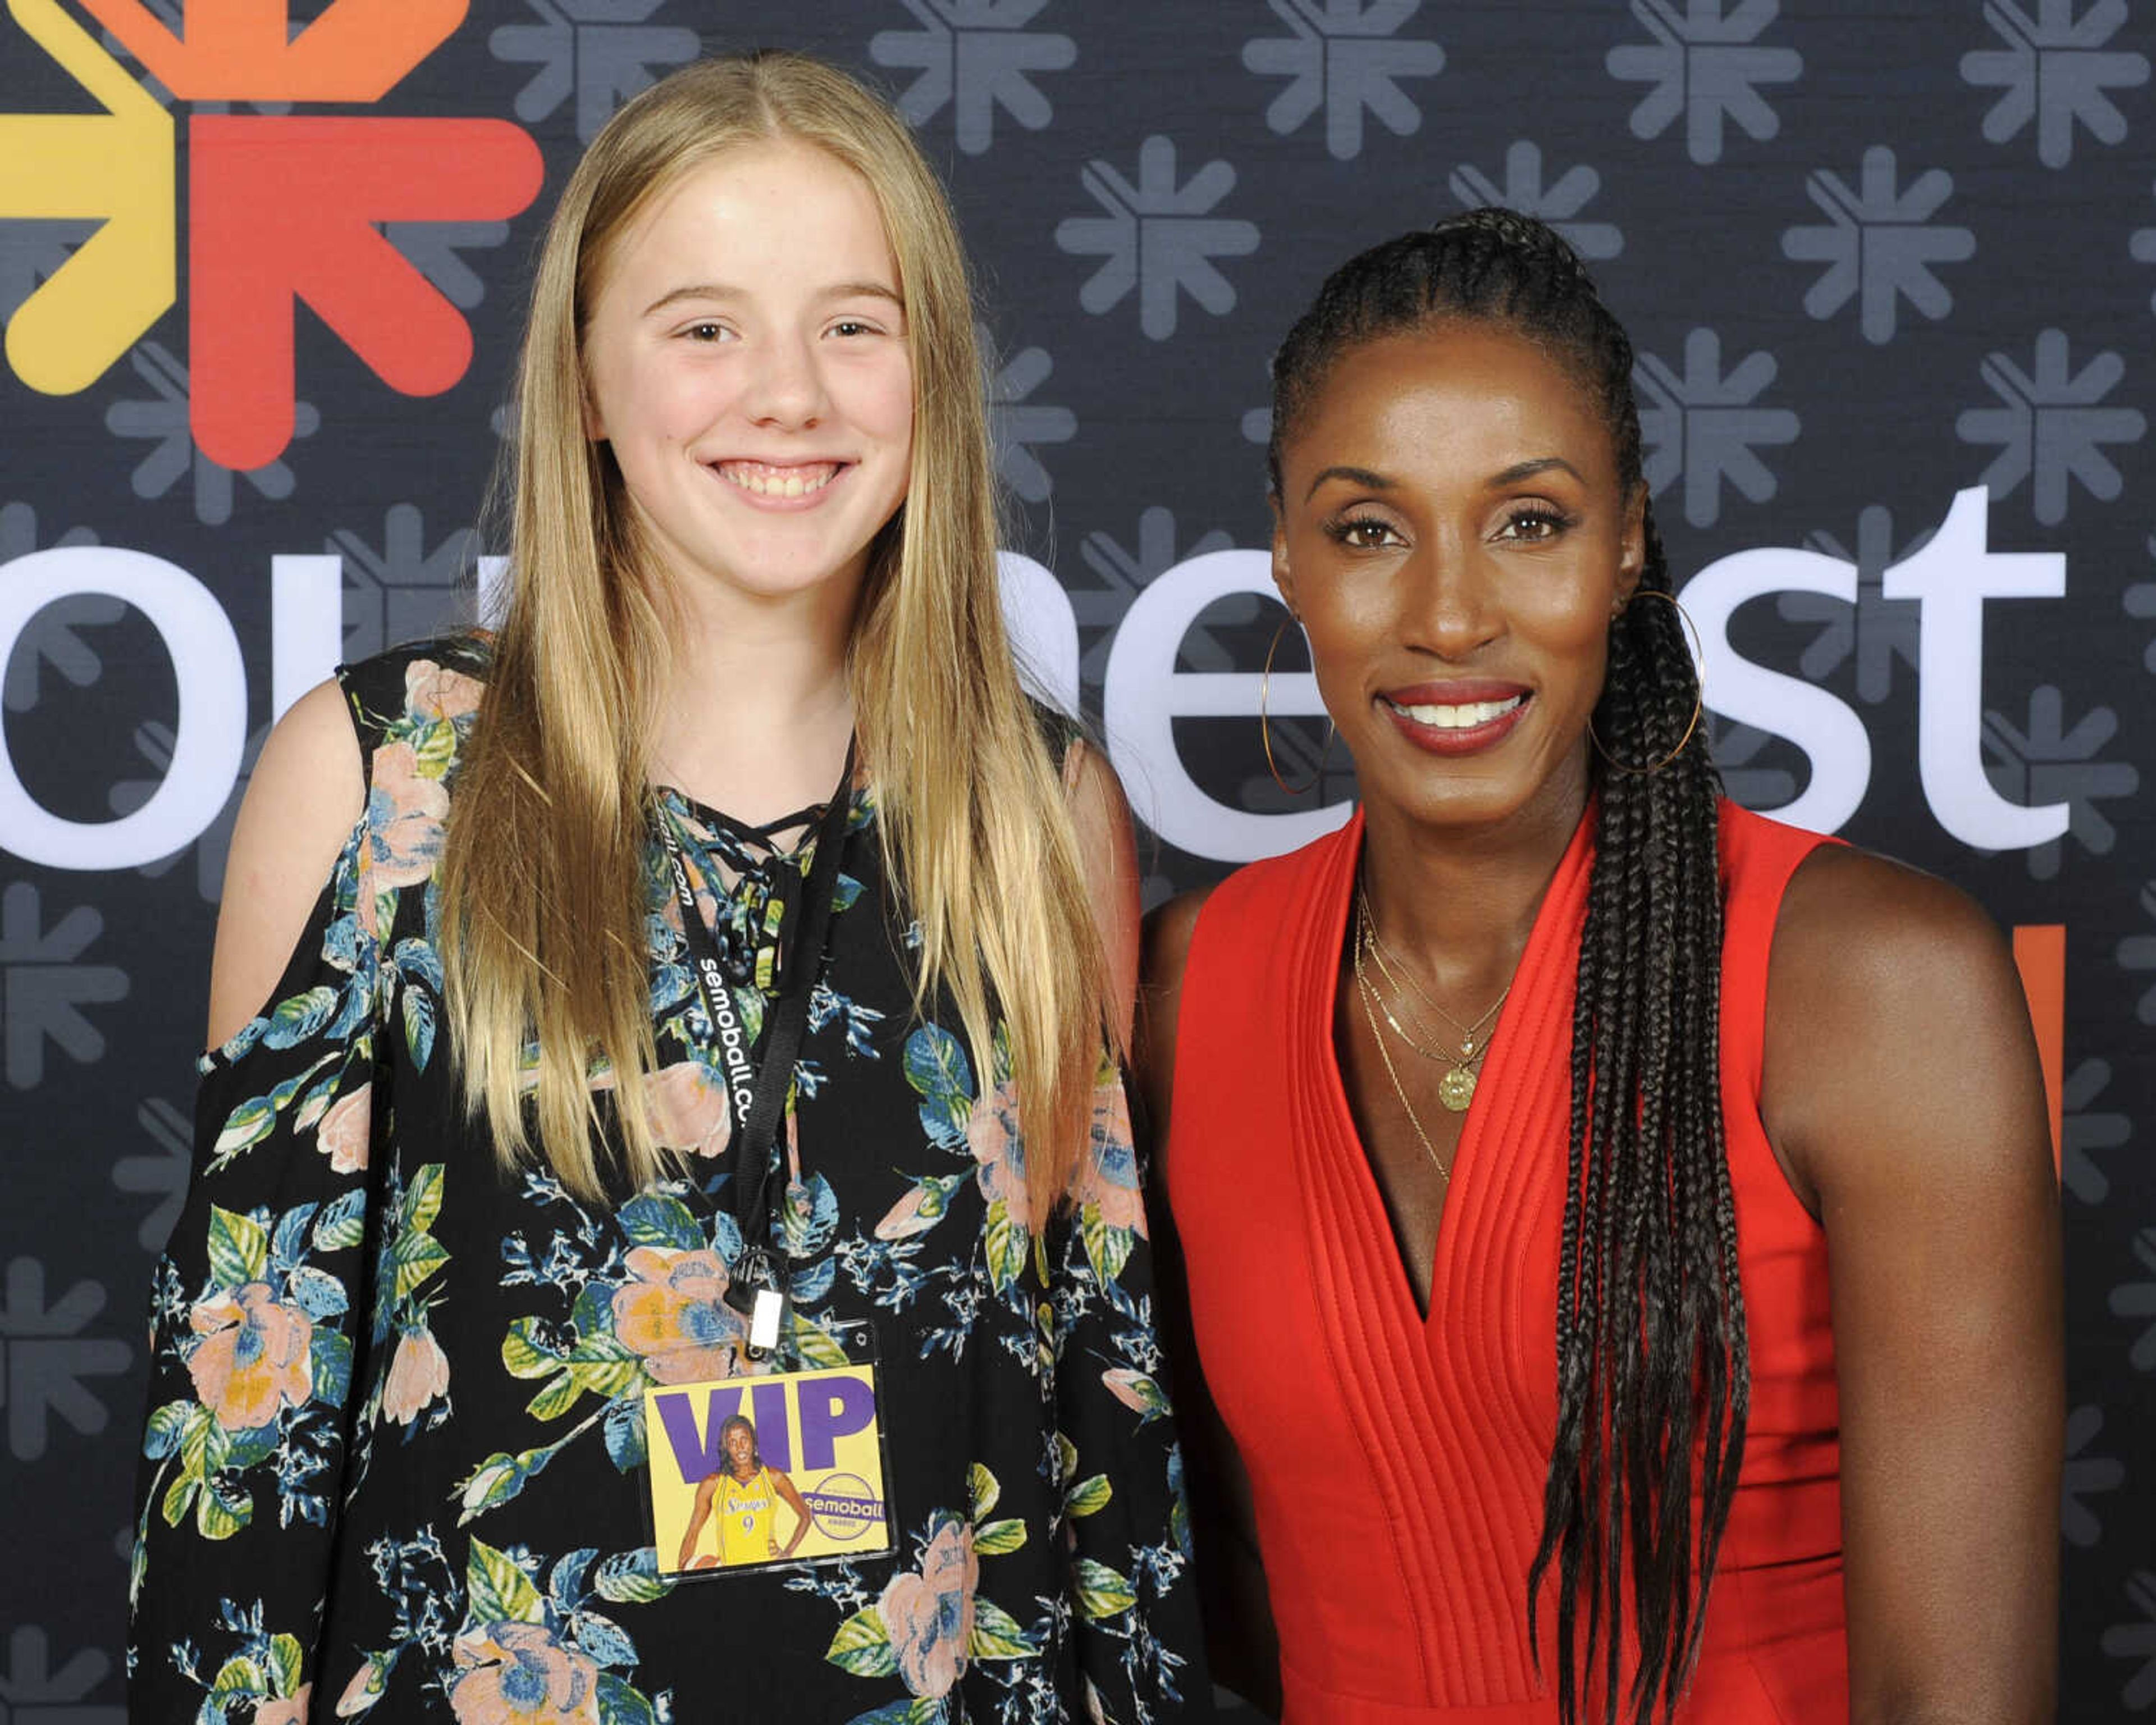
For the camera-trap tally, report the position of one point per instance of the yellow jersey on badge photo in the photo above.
(787, 1467)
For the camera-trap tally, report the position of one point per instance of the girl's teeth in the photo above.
(1463, 717)
(779, 481)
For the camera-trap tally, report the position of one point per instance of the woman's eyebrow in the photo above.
(1528, 469)
(1354, 475)
(862, 291)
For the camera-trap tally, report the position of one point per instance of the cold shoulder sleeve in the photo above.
(260, 1322)
(1135, 1621)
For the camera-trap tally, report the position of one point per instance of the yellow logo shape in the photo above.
(117, 165)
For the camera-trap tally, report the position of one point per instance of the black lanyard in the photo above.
(756, 1091)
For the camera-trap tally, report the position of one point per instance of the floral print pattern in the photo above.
(929, 1615)
(519, 1674)
(418, 1375)
(394, 1457)
(992, 1134)
(404, 815)
(345, 1129)
(674, 1312)
(254, 1358)
(689, 1109)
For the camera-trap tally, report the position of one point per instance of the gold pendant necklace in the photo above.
(1456, 1089)
(1364, 992)
(1456, 1086)
(1387, 958)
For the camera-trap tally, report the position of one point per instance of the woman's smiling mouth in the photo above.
(1470, 720)
(1462, 717)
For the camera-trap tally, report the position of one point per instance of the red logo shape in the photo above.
(282, 209)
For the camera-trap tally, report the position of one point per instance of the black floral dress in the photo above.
(392, 1465)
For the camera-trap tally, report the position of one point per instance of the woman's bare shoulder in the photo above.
(1864, 939)
(1169, 928)
(1888, 990)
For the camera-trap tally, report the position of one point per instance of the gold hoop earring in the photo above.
(1698, 699)
(1264, 724)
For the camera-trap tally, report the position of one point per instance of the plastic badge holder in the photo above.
(819, 1429)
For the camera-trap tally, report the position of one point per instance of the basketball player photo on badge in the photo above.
(786, 1468)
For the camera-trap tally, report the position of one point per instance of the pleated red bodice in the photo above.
(1398, 1463)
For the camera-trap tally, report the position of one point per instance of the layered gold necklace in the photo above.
(1456, 1086)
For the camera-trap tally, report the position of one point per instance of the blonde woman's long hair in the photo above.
(543, 875)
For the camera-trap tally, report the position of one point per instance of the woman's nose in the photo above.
(1452, 607)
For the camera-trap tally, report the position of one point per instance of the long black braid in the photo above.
(1653, 1382)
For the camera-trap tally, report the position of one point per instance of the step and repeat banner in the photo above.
(1891, 275)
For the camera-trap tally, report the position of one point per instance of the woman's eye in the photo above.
(1534, 525)
(705, 331)
(853, 326)
(1363, 532)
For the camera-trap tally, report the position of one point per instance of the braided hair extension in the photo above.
(1653, 1381)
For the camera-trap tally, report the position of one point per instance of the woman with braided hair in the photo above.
(1603, 1322)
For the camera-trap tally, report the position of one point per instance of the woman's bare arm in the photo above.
(785, 1485)
(1901, 1086)
(700, 1511)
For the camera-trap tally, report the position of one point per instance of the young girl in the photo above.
(1610, 1324)
(716, 969)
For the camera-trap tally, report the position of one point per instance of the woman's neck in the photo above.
(1457, 904)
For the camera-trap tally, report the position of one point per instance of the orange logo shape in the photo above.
(2039, 953)
(243, 51)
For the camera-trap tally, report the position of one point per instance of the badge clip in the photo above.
(767, 1323)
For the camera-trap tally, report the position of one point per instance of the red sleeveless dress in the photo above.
(1397, 1463)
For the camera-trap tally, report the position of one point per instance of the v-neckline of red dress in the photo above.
(1557, 920)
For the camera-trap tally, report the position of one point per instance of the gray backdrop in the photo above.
(1874, 257)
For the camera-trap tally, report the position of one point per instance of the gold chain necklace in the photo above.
(1382, 953)
(1364, 991)
(1469, 1055)
(1455, 1088)
(1468, 1067)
